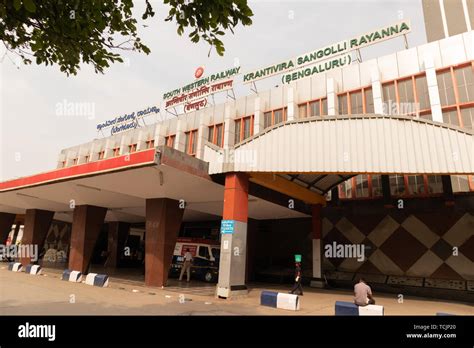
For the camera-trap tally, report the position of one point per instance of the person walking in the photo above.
(188, 258)
(297, 287)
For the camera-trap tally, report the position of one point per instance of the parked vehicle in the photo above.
(205, 253)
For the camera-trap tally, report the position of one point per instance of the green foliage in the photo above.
(70, 32)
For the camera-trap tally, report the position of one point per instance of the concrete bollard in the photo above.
(95, 279)
(280, 300)
(349, 308)
(15, 267)
(72, 276)
(33, 269)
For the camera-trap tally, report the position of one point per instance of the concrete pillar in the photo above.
(433, 92)
(291, 107)
(117, 236)
(203, 132)
(180, 140)
(37, 223)
(6, 222)
(87, 222)
(234, 237)
(159, 136)
(258, 120)
(377, 91)
(229, 125)
(163, 220)
(316, 224)
(333, 106)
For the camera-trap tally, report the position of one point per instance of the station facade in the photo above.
(377, 154)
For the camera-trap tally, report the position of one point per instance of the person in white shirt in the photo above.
(188, 258)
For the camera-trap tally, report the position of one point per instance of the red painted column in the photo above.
(317, 246)
(236, 197)
(86, 225)
(233, 260)
(163, 221)
(6, 222)
(116, 238)
(37, 223)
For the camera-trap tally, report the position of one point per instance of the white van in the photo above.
(205, 253)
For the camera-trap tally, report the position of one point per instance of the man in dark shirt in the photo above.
(297, 286)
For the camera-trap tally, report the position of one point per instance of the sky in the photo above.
(34, 127)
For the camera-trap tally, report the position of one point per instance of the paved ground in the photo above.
(23, 294)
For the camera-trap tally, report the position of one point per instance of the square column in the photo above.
(433, 91)
(87, 222)
(6, 222)
(117, 236)
(163, 221)
(232, 264)
(317, 281)
(229, 126)
(180, 140)
(377, 91)
(333, 106)
(258, 120)
(291, 107)
(37, 223)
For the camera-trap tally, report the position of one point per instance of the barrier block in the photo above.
(288, 301)
(72, 276)
(371, 310)
(349, 308)
(15, 267)
(33, 269)
(95, 279)
(269, 298)
(346, 308)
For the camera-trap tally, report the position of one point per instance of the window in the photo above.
(369, 101)
(316, 107)
(451, 117)
(150, 143)
(204, 252)
(243, 128)
(445, 86)
(74, 161)
(416, 185)
(190, 142)
(342, 100)
(465, 83)
(169, 140)
(346, 189)
(356, 102)
(362, 186)
(397, 185)
(405, 91)
(116, 151)
(216, 134)
(389, 97)
(132, 148)
(101, 154)
(460, 183)
(422, 93)
(467, 116)
(63, 164)
(271, 118)
(86, 159)
(434, 184)
(376, 182)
